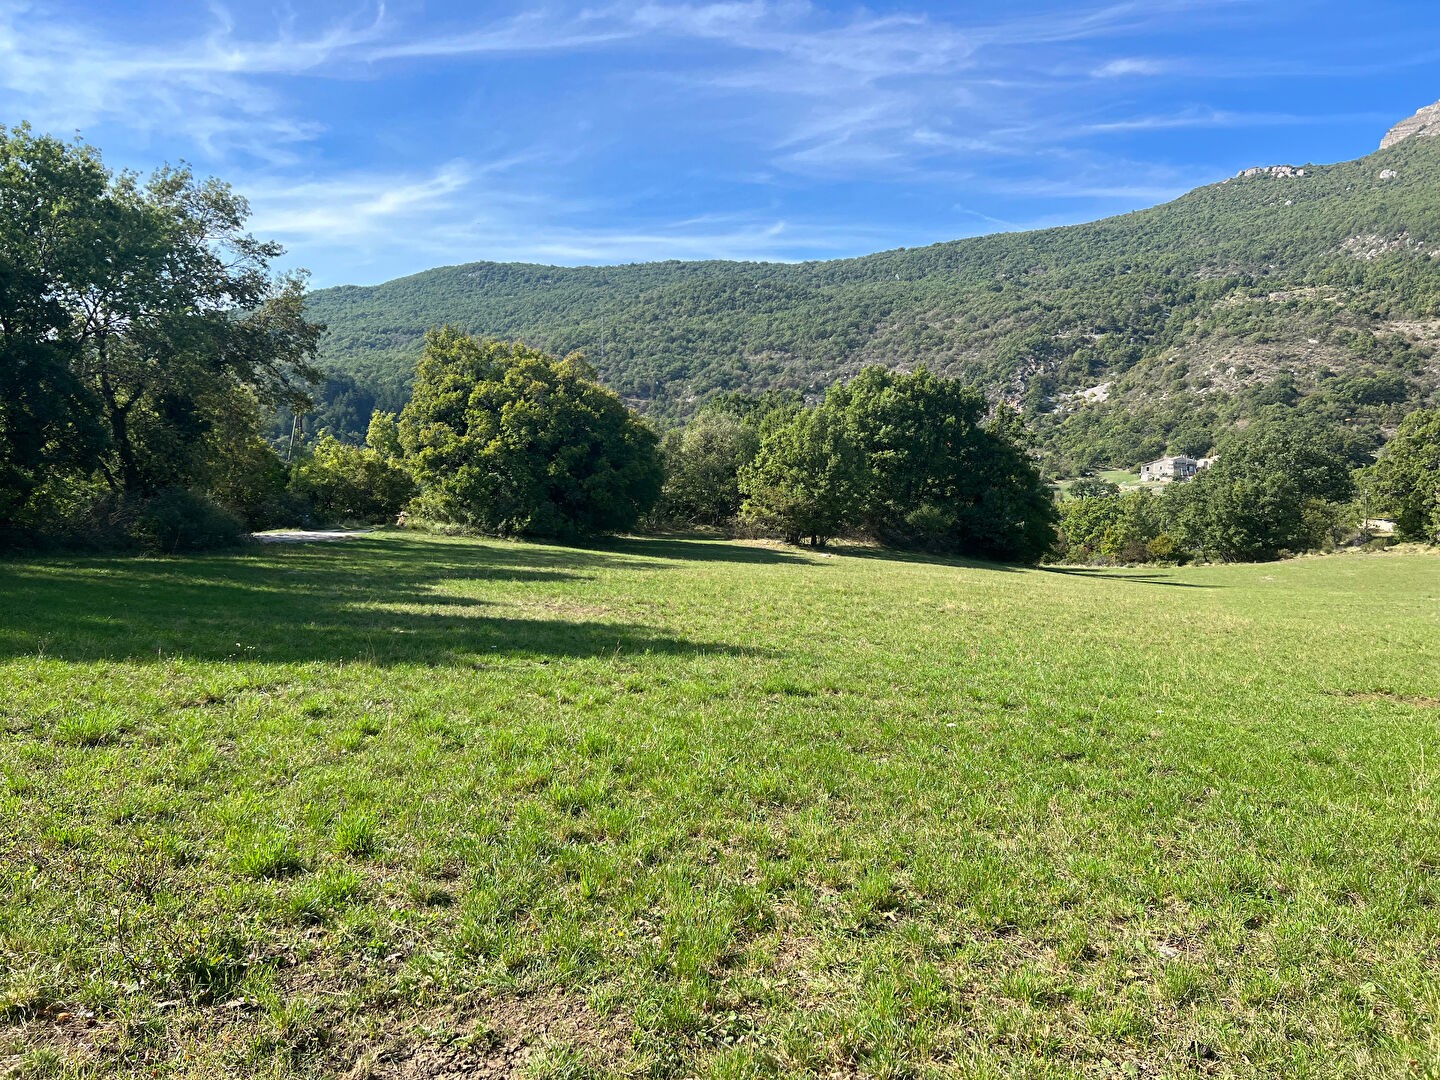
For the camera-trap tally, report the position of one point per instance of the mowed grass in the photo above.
(1124, 477)
(409, 806)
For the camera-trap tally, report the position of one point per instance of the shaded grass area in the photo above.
(695, 808)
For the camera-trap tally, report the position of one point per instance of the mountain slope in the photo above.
(1290, 280)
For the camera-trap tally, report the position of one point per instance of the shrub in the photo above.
(268, 856)
(808, 478)
(181, 520)
(702, 469)
(1406, 479)
(351, 483)
(252, 482)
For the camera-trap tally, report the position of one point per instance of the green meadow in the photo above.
(416, 806)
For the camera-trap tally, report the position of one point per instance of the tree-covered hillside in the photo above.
(1319, 285)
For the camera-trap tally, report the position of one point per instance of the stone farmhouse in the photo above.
(1168, 469)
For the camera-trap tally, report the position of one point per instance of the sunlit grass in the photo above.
(699, 808)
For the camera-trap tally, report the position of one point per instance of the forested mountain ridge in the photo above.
(1314, 283)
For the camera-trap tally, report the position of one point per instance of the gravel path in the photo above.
(305, 536)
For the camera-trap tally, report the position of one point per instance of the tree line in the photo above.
(504, 439)
(912, 460)
(1285, 484)
(153, 362)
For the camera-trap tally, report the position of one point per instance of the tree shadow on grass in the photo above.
(703, 550)
(383, 602)
(1109, 574)
(882, 554)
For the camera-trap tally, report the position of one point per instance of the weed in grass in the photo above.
(355, 835)
(429, 894)
(563, 1063)
(268, 856)
(320, 897)
(209, 966)
(876, 897)
(23, 995)
(89, 729)
(1183, 982)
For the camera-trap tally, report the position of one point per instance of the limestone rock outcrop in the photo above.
(1426, 122)
(1280, 172)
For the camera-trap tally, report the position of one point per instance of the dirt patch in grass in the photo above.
(75, 1036)
(565, 609)
(500, 1037)
(1418, 701)
(306, 536)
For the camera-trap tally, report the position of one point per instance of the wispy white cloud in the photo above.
(1189, 118)
(1211, 118)
(528, 32)
(798, 92)
(214, 89)
(461, 211)
(1125, 66)
(354, 208)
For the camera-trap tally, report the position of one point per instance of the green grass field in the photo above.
(411, 806)
(1122, 478)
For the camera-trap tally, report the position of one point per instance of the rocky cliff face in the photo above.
(1424, 122)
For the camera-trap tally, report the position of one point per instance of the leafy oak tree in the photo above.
(49, 422)
(351, 483)
(177, 317)
(703, 461)
(508, 440)
(908, 459)
(808, 480)
(940, 477)
(1406, 478)
(143, 332)
(1111, 527)
(1264, 495)
(1092, 487)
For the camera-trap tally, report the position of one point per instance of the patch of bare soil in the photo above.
(306, 536)
(563, 608)
(500, 1038)
(1418, 701)
(77, 1037)
(1414, 329)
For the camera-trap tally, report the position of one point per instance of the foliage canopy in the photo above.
(508, 440)
(141, 329)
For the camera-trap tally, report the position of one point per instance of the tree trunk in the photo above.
(119, 417)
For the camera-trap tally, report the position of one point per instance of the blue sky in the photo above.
(376, 140)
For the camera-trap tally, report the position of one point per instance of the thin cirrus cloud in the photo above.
(377, 140)
(1128, 66)
(61, 75)
(453, 212)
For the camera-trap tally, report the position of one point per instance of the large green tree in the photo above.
(939, 475)
(1261, 498)
(142, 329)
(703, 461)
(509, 440)
(1406, 478)
(1112, 527)
(49, 423)
(177, 315)
(351, 483)
(808, 480)
(909, 459)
